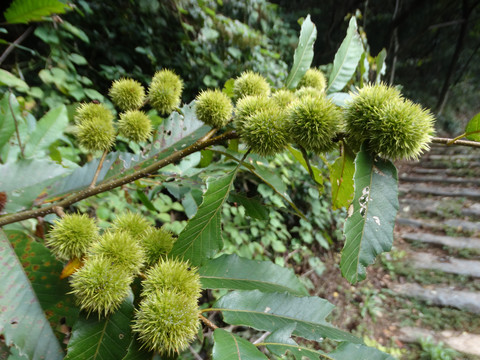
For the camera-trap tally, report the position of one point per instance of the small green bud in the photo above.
(166, 322)
(72, 236)
(100, 286)
(121, 249)
(214, 108)
(283, 98)
(133, 223)
(313, 123)
(156, 243)
(135, 125)
(165, 91)
(173, 275)
(265, 132)
(250, 83)
(313, 78)
(95, 131)
(402, 130)
(127, 94)
(250, 105)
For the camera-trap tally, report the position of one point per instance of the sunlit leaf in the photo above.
(11, 81)
(472, 130)
(341, 179)
(24, 11)
(229, 346)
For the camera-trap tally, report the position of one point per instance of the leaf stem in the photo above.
(16, 125)
(99, 168)
(447, 141)
(307, 161)
(207, 322)
(114, 183)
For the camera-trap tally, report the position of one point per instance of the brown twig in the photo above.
(12, 46)
(59, 211)
(16, 125)
(450, 142)
(99, 168)
(207, 322)
(114, 183)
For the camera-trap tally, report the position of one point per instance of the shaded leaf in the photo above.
(302, 59)
(229, 346)
(136, 353)
(48, 130)
(273, 311)
(253, 206)
(202, 237)
(317, 174)
(341, 179)
(380, 65)
(346, 59)
(11, 81)
(369, 229)
(472, 131)
(7, 124)
(234, 272)
(104, 339)
(22, 321)
(24, 11)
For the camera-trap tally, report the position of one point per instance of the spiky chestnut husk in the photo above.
(135, 125)
(72, 236)
(308, 91)
(95, 134)
(402, 130)
(121, 249)
(133, 223)
(100, 286)
(173, 275)
(283, 98)
(127, 94)
(165, 91)
(166, 322)
(313, 122)
(214, 108)
(363, 110)
(250, 83)
(248, 106)
(156, 243)
(313, 78)
(265, 132)
(90, 111)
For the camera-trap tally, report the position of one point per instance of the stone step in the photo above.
(443, 208)
(450, 165)
(439, 191)
(456, 172)
(453, 242)
(453, 224)
(461, 341)
(453, 157)
(422, 260)
(438, 179)
(441, 296)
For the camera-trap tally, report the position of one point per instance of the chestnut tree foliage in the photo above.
(134, 291)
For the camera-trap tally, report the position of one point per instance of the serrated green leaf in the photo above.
(472, 131)
(302, 59)
(135, 352)
(49, 129)
(7, 124)
(234, 272)
(43, 270)
(253, 206)
(104, 339)
(348, 351)
(25, 11)
(24, 181)
(11, 81)
(273, 311)
(369, 229)
(341, 179)
(346, 59)
(202, 237)
(22, 320)
(229, 346)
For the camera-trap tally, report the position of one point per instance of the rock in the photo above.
(422, 260)
(442, 296)
(453, 242)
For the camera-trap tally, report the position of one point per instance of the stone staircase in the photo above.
(439, 224)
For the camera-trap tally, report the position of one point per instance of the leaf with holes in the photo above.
(369, 227)
(346, 59)
(229, 346)
(234, 272)
(22, 320)
(302, 59)
(273, 311)
(202, 237)
(104, 339)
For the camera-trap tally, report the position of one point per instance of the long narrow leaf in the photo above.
(234, 272)
(22, 320)
(346, 59)
(302, 59)
(341, 178)
(369, 229)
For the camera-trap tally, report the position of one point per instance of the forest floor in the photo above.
(422, 299)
